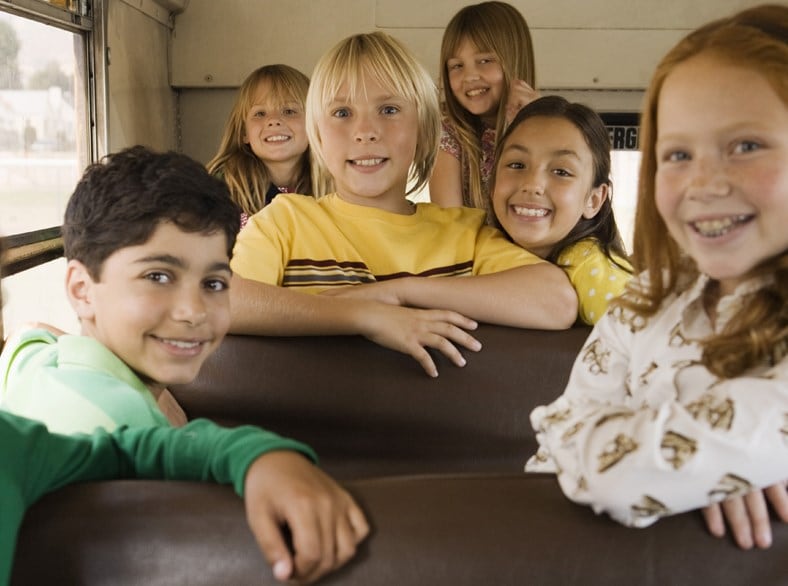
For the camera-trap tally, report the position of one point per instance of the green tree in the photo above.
(10, 77)
(51, 75)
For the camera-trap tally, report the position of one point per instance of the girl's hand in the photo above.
(748, 516)
(520, 94)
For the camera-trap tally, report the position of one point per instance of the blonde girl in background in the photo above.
(264, 150)
(487, 75)
(551, 195)
(679, 398)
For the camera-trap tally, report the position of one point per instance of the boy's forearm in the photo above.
(199, 451)
(261, 309)
(535, 296)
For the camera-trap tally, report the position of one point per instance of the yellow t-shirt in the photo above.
(314, 244)
(594, 276)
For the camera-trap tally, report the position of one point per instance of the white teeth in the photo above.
(718, 226)
(180, 343)
(476, 92)
(277, 138)
(532, 212)
(367, 162)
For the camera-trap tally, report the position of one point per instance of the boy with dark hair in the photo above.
(276, 476)
(148, 238)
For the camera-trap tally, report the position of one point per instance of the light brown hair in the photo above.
(494, 27)
(246, 176)
(393, 66)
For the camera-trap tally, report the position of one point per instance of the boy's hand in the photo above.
(284, 488)
(412, 331)
(520, 94)
(748, 516)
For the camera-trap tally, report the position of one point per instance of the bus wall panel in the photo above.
(142, 107)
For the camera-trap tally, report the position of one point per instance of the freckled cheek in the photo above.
(768, 186)
(664, 196)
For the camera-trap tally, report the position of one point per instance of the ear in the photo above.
(79, 289)
(595, 200)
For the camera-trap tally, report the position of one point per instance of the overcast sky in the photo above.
(39, 44)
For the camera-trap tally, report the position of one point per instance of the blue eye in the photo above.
(677, 156)
(746, 146)
(390, 109)
(341, 113)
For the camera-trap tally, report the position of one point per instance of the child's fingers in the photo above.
(358, 521)
(312, 543)
(425, 360)
(269, 537)
(735, 510)
(778, 497)
(759, 518)
(346, 538)
(520, 94)
(715, 522)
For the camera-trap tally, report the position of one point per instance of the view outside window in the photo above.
(41, 125)
(43, 146)
(625, 166)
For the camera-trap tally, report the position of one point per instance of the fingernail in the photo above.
(281, 570)
(764, 539)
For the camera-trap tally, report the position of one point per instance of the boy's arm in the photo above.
(280, 485)
(261, 309)
(534, 296)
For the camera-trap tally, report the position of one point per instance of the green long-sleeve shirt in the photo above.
(34, 461)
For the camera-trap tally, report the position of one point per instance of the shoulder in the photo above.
(579, 251)
(27, 346)
(456, 217)
(283, 206)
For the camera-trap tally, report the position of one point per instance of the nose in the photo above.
(532, 182)
(365, 129)
(274, 121)
(708, 179)
(471, 72)
(189, 307)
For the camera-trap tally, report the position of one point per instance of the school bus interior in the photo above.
(90, 77)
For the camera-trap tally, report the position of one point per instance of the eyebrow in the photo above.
(175, 261)
(556, 153)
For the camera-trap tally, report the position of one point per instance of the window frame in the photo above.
(87, 18)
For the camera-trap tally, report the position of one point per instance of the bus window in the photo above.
(45, 143)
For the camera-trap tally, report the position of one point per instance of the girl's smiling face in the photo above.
(721, 184)
(543, 183)
(476, 79)
(275, 131)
